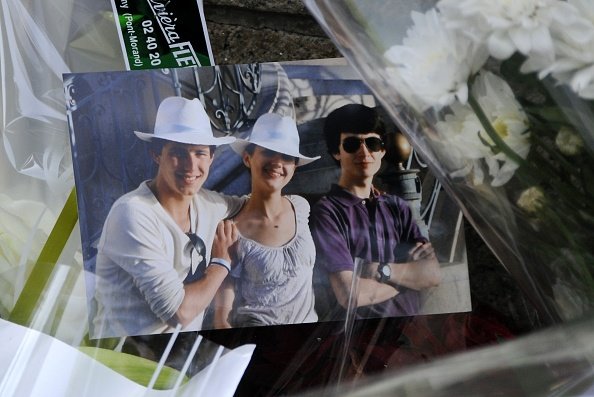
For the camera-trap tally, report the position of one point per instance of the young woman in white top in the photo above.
(272, 278)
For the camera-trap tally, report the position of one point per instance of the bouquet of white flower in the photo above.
(498, 97)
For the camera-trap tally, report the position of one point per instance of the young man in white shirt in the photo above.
(155, 268)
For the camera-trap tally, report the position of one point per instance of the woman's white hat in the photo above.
(185, 121)
(275, 132)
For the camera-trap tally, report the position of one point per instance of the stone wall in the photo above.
(260, 31)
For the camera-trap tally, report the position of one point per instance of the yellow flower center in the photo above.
(501, 128)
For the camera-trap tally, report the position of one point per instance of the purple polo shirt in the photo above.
(379, 229)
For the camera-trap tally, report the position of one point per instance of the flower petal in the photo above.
(522, 39)
(500, 46)
(542, 43)
(462, 94)
(582, 79)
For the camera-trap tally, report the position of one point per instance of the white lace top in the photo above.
(274, 284)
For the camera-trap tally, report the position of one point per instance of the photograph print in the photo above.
(254, 195)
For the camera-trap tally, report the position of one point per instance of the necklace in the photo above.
(259, 214)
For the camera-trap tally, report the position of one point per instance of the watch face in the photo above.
(385, 272)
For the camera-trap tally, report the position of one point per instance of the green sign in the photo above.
(162, 33)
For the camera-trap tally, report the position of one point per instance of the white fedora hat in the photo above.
(185, 121)
(277, 133)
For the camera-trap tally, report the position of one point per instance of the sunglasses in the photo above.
(198, 256)
(352, 144)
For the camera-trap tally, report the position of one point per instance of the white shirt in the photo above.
(143, 257)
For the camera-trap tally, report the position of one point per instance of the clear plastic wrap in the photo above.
(554, 362)
(502, 114)
(40, 42)
(42, 281)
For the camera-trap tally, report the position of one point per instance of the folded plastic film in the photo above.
(38, 365)
(24, 224)
(553, 362)
(38, 42)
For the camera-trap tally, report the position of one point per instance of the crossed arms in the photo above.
(420, 271)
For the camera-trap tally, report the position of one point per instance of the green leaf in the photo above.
(137, 369)
(46, 262)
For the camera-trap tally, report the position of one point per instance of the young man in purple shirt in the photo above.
(367, 242)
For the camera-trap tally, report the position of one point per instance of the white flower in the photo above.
(574, 48)
(463, 133)
(507, 26)
(569, 142)
(462, 148)
(434, 62)
(531, 200)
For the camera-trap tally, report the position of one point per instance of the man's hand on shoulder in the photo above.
(225, 238)
(199, 294)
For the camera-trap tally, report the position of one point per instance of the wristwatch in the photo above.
(384, 272)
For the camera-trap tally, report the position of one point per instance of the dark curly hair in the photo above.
(353, 118)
